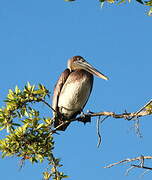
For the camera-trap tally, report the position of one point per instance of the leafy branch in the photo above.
(118, 2)
(29, 134)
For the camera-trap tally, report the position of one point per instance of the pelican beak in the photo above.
(88, 67)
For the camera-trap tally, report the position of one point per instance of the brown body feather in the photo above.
(72, 90)
(71, 94)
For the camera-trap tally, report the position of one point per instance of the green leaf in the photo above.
(10, 91)
(16, 124)
(46, 175)
(2, 128)
(10, 96)
(28, 86)
(17, 90)
(40, 125)
(120, 2)
(148, 3)
(150, 12)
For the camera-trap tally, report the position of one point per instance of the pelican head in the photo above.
(78, 62)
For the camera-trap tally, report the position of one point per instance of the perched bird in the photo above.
(72, 90)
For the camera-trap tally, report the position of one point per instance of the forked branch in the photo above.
(144, 111)
(128, 160)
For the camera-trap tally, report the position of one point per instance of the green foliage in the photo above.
(149, 108)
(146, 3)
(29, 136)
(118, 2)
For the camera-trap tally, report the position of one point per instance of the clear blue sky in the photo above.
(36, 39)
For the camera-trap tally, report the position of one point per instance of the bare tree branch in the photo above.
(143, 167)
(140, 110)
(128, 116)
(123, 115)
(124, 161)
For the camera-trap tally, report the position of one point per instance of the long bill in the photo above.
(88, 67)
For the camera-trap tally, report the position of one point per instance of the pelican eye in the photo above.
(82, 60)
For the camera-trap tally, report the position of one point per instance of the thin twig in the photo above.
(99, 121)
(124, 161)
(140, 110)
(128, 170)
(144, 173)
(48, 105)
(143, 167)
(137, 128)
(98, 131)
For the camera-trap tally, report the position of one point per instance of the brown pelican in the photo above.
(72, 90)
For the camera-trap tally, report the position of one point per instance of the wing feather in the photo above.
(57, 89)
